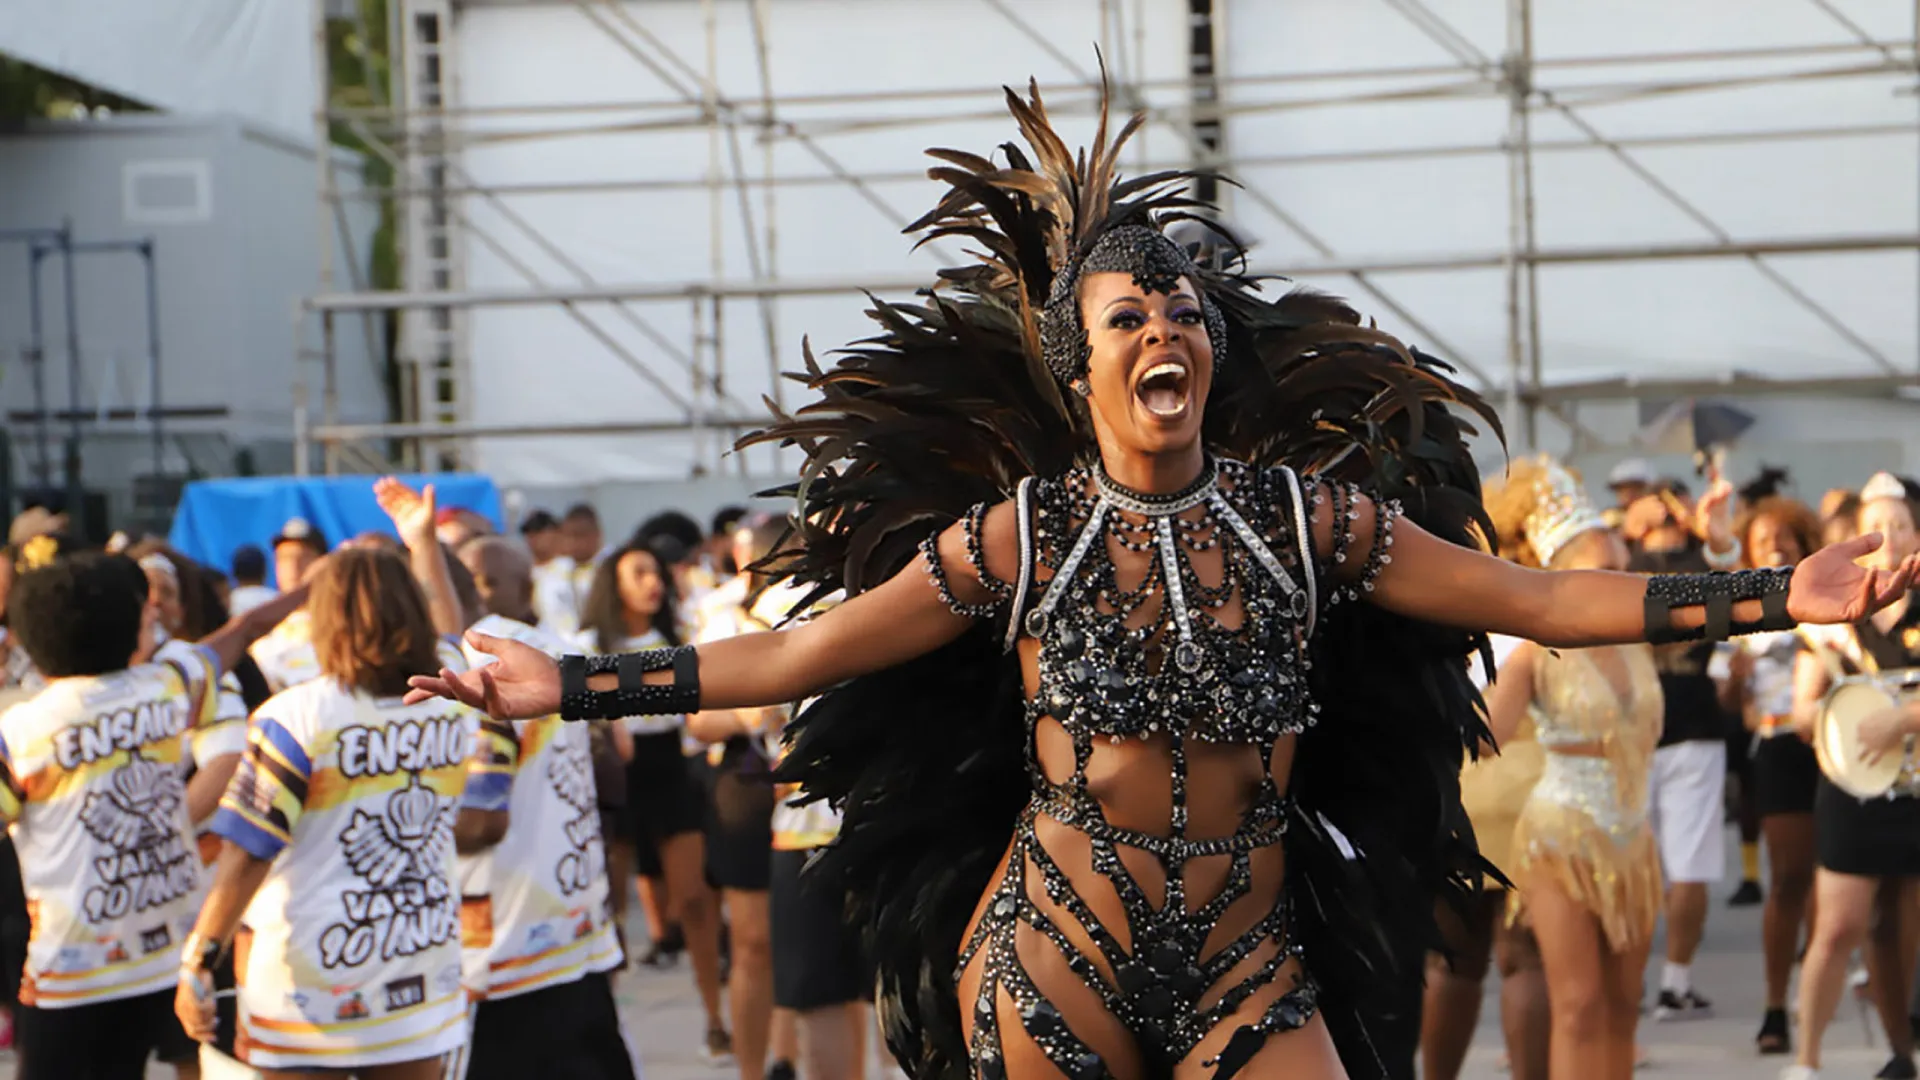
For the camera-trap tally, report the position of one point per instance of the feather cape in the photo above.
(950, 404)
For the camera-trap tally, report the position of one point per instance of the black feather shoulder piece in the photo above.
(951, 403)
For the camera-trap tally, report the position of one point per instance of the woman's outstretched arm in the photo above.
(896, 621)
(1445, 583)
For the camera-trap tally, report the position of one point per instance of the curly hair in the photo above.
(1796, 517)
(80, 614)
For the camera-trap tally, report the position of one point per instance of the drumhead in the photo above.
(1838, 748)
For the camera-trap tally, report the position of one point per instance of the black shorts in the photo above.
(1871, 838)
(740, 819)
(1785, 776)
(816, 953)
(664, 797)
(571, 1031)
(108, 1041)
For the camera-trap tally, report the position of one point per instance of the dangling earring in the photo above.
(1080, 387)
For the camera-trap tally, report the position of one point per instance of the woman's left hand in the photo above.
(1830, 587)
(1882, 732)
(193, 1004)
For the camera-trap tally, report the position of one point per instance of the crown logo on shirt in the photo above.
(413, 810)
(134, 782)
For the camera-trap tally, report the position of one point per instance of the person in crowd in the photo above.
(1493, 791)
(741, 809)
(633, 604)
(1839, 524)
(1776, 531)
(1867, 885)
(286, 656)
(1583, 852)
(677, 538)
(250, 588)
(580, 525)
(91, 786)
(335, 890)
(718, 550)
(1630, 481)
(187, 608)
(556, 599)
(456, 525)
(822, 984)
(546, 940)
(1688, 792)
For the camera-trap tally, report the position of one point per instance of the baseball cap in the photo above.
(300, 531)
(1631, 471)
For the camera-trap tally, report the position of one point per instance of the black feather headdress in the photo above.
(953, 401)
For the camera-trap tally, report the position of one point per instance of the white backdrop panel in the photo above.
(922, 73)
(538, 365)
(246, 58)
(1652, 319)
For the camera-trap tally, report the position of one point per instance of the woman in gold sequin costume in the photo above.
(1582, 852)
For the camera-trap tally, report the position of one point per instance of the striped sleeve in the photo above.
(496, 757)
(268, 792)
(199, 670)
(226, 733)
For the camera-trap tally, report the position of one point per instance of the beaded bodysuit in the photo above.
(1173, 659)
(1586, 823)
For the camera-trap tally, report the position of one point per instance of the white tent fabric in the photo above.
(247, 58)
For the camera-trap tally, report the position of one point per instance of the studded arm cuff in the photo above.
(634, 696)
(937, 573)
(1345, 499)
(1717, 592)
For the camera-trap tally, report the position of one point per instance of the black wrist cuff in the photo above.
(1717, 592)
(634, 696)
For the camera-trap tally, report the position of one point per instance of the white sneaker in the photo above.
(1799, 1072)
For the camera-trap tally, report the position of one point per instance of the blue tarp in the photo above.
(217, 516)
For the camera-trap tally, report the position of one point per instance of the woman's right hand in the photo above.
(522, 683)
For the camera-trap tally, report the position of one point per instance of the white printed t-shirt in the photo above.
(285, 653)
(556, 598)
(286, 656)
(544, 919)
(352, 950)
(98, 813)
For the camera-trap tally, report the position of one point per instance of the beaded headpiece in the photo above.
(1562, 511)
(1047, 220)
(1156, 263)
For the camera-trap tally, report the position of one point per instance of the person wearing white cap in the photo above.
(1630, 479)
(1867, 884)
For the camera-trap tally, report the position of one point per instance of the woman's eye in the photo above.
(1126, 320)
(1188, 316)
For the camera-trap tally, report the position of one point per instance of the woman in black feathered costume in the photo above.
(1145, 716)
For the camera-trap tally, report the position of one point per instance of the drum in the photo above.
(1837, 745)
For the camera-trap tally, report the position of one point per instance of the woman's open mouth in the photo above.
(1163, 390)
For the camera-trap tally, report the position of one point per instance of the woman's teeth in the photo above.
(1163, 389)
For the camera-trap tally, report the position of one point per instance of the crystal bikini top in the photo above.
(1181, 668)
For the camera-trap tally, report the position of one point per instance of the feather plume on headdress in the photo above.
(952, 402)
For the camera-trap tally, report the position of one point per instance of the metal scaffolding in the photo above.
(423, 132)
